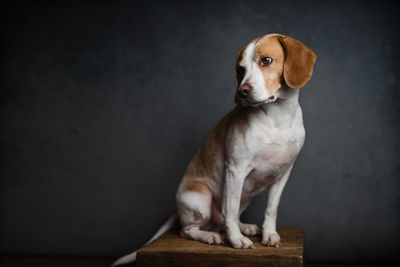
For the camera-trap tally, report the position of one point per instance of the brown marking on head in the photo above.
(269, 46)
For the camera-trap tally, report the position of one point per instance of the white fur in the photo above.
(200, 211)
(264, 156)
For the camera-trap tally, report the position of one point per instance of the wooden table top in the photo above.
(178, 251)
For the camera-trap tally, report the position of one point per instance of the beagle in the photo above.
(253, 147)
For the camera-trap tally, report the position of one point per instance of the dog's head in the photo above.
(268, 63)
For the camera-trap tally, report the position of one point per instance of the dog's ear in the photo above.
(299, 62)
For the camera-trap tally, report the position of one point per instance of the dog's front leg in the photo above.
(270, 235)
(234, 179)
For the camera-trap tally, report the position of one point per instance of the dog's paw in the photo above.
(241, 242)
(249, 229)
(214, 238)
(271, 239)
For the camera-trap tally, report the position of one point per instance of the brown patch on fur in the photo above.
(198, 187)
(269, 46)
(299, 62)
(203, 165)
(201, 170)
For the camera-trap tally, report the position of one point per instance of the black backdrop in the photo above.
(103, 105)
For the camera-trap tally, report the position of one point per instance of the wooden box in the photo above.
(173, 250)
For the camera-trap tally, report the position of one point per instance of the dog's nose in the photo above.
(244, 90)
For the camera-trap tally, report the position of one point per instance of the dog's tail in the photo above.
(131, 257)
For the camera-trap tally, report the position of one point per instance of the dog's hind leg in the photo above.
(194, 211)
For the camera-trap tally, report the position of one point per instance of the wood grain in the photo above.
(172, 250)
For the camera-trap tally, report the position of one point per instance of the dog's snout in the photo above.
(244, 90)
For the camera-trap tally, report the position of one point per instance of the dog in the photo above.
(253, 147)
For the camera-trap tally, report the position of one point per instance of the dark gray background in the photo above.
(104, 104)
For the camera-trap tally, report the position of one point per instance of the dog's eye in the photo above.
(265, 61)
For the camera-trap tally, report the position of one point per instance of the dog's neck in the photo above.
(282, 112)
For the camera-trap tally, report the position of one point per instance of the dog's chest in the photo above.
(277, 149)
(273, 150)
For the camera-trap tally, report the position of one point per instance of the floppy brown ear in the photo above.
(299, 62)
